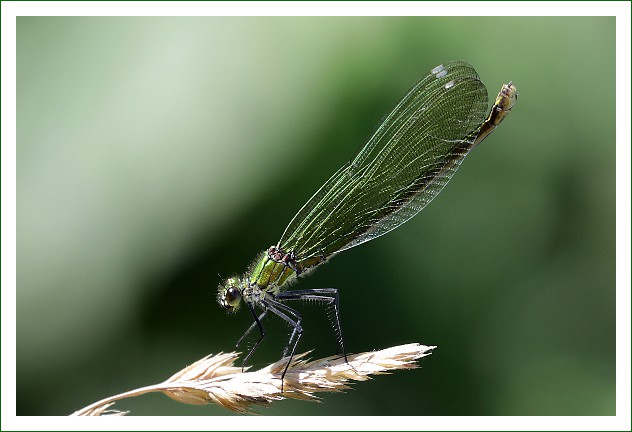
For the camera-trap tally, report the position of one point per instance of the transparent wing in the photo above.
(405, 164)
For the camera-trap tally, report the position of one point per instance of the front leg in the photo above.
(255, 323)
(261, 330)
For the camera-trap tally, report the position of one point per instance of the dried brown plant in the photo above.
(215, 379)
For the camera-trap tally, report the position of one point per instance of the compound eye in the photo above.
(233, 296)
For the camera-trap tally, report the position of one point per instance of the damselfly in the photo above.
(404, 165)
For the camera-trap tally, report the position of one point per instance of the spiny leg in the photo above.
(279, 309)
(329, 295)
(292, 336)
(252, 326)
(307, 297)
(295, 329)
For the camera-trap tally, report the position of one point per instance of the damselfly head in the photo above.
(229, 294)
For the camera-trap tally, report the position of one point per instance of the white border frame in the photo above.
(10, 10)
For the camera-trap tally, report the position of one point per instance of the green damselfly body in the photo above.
(406, 163)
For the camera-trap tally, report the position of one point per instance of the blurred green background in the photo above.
(155, 153)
